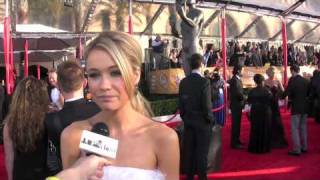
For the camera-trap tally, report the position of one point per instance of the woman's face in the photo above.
(105, 81)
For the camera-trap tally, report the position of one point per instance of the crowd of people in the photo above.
(266, 125)
(164, 55)
(267, 130)
(43, 127)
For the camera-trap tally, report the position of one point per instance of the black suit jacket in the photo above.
(195, 101)
(236, 92)
(72, 111)
(297, 91)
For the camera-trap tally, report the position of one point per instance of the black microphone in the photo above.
(98, 142)
(100, 128)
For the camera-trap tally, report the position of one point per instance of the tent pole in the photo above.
(285, 50)
(130, 27)
(7, 48)
(224, 56)
(26, 59)
(80, 49)
(11, 63)
(38, 72)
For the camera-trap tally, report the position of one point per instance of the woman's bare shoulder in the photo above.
(76, 128)
(161, 132)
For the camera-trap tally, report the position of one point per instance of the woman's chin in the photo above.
(108, 107)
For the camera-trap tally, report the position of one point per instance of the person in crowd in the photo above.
(212, 57)
(264, 57)
(174, 61)
(71, 82)
(114, 68)
(297, 91)
(291, 58)
(260, 99)
(273, 56)
(237, 100)
(207, 74)
(278, 139)
(279, 60)
(195, 111)
(219, 61)
(238, 58)
(315, 94)
(207, 57)
(85, 168)
(217, 86)
(256, 57)
(24, 134)
(54, 93)
(158, 46)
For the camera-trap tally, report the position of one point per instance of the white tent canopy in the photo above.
(51, 26)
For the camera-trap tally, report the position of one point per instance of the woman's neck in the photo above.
(120, 121)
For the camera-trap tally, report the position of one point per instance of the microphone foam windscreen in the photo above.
(100, 128)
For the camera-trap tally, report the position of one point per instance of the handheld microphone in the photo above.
(100, 128)
(97, 141)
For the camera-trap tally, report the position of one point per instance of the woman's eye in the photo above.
(115, 73)
(93, 75)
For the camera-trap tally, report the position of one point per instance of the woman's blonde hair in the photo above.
(270, 71)
(28, 108)
(127, 54)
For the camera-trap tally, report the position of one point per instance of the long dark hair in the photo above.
(27, 112)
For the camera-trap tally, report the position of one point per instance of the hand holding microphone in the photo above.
(85, 168)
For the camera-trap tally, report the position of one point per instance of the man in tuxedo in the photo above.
(237, 100)
(297, 91)
(195, 111)
(71, 82)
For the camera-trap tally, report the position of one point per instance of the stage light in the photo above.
(68, 3)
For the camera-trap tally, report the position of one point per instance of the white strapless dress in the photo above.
(126, 173)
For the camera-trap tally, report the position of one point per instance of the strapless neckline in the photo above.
(124, 173)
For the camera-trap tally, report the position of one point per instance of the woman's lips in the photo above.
(106, 98)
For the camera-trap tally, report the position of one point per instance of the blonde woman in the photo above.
(147, 149)
(24, 134)
(278, 139)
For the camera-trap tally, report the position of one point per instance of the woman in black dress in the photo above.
(278, 139)
(24, 133)
(260, 117)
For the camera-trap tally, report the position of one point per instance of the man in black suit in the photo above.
(297, 91)
(71, 82)
(236, 104)
(195, 111)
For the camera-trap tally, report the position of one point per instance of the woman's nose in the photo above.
(105, 83)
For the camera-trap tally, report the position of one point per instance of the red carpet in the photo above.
(277, 165)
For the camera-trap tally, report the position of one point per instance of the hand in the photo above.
(85, 168)
(91, 167)
(52, 108)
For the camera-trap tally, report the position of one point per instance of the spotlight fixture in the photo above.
(68, 3)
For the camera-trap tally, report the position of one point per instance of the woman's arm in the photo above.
(8, 150)
(168, 154)
(70, 151)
